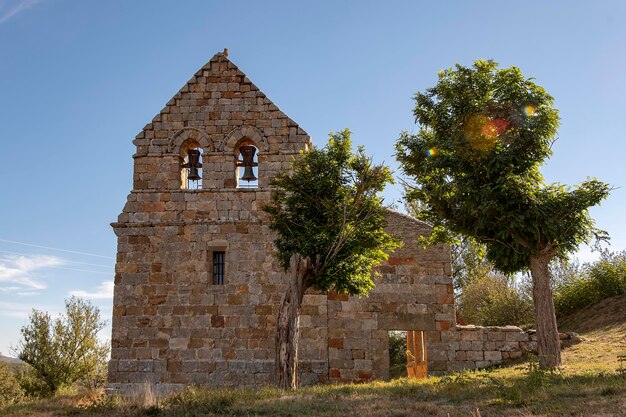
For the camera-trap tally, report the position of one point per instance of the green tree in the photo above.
(67, 349)
(495, 300)
(329, 222)
(484, 132)
(469, 261)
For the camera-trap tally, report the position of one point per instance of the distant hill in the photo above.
(9, 359)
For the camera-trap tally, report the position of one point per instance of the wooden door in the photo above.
(416, 357)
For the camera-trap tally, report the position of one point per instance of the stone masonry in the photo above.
(172, 326)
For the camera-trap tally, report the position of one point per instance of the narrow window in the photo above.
(218, 268)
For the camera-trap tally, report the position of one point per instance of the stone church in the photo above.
(197, 288)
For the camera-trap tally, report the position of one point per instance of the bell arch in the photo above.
(190, 155)
(187, 134)
(246, 163)
(235, 136)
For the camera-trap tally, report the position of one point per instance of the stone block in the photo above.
(516, 336)
(475, 355)
(493, 355)
(455, 366)
(478, 345)
(468, 335)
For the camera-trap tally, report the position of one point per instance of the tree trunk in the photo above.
(287, 323)
(548, 345)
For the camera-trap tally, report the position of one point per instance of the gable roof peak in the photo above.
(217, 58)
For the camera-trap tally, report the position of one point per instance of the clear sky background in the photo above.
(79, 79)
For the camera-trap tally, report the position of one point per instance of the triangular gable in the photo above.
(217, 100)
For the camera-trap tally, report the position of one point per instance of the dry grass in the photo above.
(603, 330)
(587, 385)
(502, 392)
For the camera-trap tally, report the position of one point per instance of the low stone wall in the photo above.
(474, 347)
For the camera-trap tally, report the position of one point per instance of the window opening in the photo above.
(247, 167)
(218, 268)
(191, 173)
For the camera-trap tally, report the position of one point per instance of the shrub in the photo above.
(603, 279)
(31, 383)
(67, 349)
(10, 390)
(494, 300)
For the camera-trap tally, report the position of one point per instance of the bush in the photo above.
(10, 390)
(494, 300)
(603, 279)
(31, 383)
(67, 349)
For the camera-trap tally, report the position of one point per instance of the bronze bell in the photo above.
(193, 165)
(247, 154)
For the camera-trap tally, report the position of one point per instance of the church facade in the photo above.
(197, 287)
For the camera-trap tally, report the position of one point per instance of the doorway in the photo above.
(416, 356)
(407, 354)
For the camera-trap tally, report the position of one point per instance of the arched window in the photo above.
(247, 165)
(191, 166)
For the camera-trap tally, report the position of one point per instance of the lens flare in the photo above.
(432, 152)
(529, 110)
(482, 131)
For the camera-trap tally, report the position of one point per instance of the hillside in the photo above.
(607, 314)
(9, 359)
(602, 328)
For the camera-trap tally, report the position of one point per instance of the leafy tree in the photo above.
(484, 132)
(469, 261)
(329, 222)
(67, 349)
(495, 300)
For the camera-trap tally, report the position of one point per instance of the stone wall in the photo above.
(475, 347)
(217, 110)
(472, 347)
(173, 327)
(413, 292)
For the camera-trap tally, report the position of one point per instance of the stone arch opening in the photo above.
(190, 165)
(247, 164)
(235, 136)
(178, 140)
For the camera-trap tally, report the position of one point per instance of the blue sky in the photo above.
(79, 79)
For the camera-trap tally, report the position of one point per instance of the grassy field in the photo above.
(589, 384)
